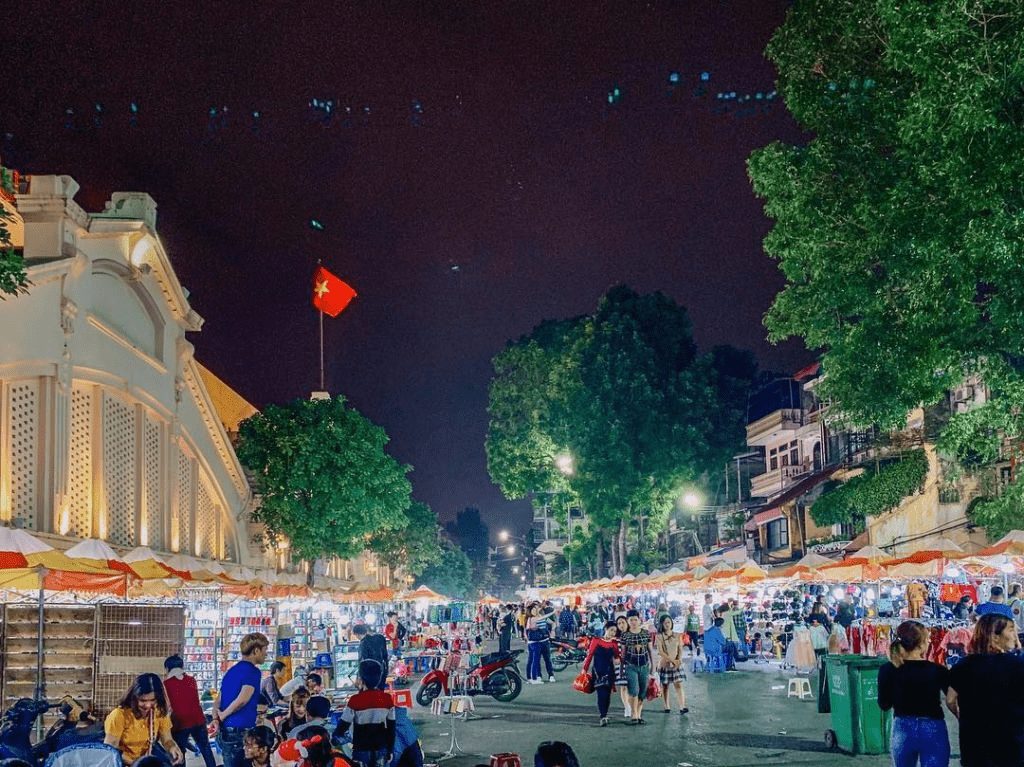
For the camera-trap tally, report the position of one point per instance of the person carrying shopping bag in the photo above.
(602, 656)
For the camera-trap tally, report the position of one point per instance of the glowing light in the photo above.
(503, 535)
(952, 572)
(838, 593)
(511, 550)
(65, 521)
(870, 594)
(565, 464)
(693, 500)
(138, 257)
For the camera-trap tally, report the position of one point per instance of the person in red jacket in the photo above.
(187, 717)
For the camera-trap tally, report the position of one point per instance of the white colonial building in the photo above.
(107, 429)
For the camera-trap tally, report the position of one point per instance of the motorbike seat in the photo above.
(86, 755)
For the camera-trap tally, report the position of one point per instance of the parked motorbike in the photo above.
(566, 652)
(76, 725)
(497, 675)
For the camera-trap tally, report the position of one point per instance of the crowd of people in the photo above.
(633, 648)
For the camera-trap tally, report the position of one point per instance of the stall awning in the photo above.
(762, 518)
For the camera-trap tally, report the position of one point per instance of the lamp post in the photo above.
(695, 502)
(508, 540)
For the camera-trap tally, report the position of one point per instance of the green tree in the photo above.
(415, 546)
(13, 279)
(324, 480)
(451, 577)
(898, 225)
(626, 395)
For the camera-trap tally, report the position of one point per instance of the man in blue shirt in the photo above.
(996, 604)
(236, 712)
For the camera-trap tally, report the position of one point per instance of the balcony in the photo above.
(775, 481)
(773, 427)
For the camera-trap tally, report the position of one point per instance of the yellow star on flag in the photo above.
(321, 288)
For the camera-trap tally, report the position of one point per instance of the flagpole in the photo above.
(321, 350)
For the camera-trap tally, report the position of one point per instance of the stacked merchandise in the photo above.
(246, 617)
(311, 630)
(200, 653)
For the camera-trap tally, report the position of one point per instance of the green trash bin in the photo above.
(859, 726)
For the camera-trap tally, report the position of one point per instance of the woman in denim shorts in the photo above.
(636, 658)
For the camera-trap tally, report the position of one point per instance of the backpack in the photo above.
(400, 631)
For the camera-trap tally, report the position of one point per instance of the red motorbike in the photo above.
(497, 675)
(565, 652)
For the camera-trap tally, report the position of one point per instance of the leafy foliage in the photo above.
(324, 480)
(13, 279)
(414, 547)
(625, 393)
(873, 492)
(899, 225)
(451, 576)
(1001, 515)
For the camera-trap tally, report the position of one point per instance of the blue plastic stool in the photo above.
(716, 664)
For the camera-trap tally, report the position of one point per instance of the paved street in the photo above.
(734, 720)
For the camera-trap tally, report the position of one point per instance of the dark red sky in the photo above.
(520, 175)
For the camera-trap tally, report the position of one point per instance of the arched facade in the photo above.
(107, 429)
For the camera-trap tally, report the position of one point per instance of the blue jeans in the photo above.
(919, 737)
(202, 741)
(533, 660)
(232, 745)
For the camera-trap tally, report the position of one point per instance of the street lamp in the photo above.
(507, 538)
(694, 501)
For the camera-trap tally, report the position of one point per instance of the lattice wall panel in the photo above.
(131, 640)
(152, 509)
(80, 466)
(206, 524)
(119, 470)
(186, 482)
(23, 431)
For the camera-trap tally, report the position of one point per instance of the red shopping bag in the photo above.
(653, 688)
(584, 682)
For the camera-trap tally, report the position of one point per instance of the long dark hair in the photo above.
(985, 631)
(144, 685)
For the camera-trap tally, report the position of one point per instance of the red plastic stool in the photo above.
(505, 760)
(402, 698)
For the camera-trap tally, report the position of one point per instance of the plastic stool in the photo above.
(799, 687)
(505, 760)
(716, 664)
(402, 698)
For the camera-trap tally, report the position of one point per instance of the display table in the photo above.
(454, 707)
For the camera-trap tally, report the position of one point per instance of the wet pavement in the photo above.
(735, 720)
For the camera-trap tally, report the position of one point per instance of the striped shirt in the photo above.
(371, 715)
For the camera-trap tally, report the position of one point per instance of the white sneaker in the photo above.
(627, 713)
(551, 678)
(535, 681)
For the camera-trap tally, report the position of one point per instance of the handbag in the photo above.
(653, 688)
(583, 682)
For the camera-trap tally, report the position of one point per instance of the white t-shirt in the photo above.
(709, 615)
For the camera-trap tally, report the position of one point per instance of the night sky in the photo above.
(489, 186)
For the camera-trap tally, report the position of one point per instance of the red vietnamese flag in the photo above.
(330, 294)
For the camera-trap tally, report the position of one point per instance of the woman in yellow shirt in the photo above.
(140, 720)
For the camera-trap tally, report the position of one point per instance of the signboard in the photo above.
(828, 548)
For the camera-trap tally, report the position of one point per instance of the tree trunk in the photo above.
(599, 556)
(311, 575)
(623, 531)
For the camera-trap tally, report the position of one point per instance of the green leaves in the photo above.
(625, 393)
(13, 278)
(450, 577)
(416, 545)
(872, 493)
(325, 482)
(898, 226)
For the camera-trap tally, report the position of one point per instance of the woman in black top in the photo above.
(986, 692)
(913, 688)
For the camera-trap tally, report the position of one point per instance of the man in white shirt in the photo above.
(708, 615)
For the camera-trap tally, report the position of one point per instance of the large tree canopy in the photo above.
(451, 576)
(899, 225)
(624, 396)
(324, 480)
(416, 546)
